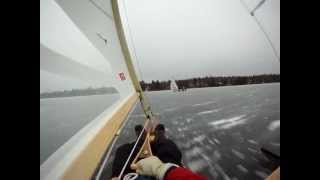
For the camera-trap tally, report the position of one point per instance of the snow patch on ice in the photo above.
(209, 112)
(238, 154)
(242, 168)
(261, 174)
(274, 125)
(252, 150)
(170, 109)
(229, 123)
(192, 152)
(275, 144)
(211, 142)
(189, 120)
(217, 141)
(221, 171)
(203, 104)
(216, 155)
(197, 165)
(199, 138)
(252, 141)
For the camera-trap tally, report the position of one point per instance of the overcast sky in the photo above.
(185, 38)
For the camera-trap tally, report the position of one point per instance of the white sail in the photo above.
(174, 86)
(79, 39)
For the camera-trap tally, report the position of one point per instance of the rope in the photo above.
(257, 6)
(130, 176)
(99, 8)
(130, 34)
(134, 147)
(138, 64)
(262, 29)
(267, 37)
(106, 158)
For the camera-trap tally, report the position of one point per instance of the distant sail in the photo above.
(174, 86)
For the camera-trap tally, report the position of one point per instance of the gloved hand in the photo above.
(153, 166)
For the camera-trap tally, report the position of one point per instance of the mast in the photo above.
(145, 149)
(125, 50)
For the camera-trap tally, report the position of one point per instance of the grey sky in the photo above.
(175, 39)
(186, 38)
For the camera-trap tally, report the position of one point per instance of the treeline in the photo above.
(211, 82)
(79, 92)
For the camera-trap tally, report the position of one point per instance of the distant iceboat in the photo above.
(174, 86)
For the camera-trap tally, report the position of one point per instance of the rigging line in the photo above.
(268, 38)
(257, 7)
(102, 10)
(245, 5)
(106, 158)
(262, 29)
(138, 64)
(134, 147)
(131, 38)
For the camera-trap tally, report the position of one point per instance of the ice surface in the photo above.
(242, 168)
(238, 154)
(203, 104)
(229, 123)
(274, 125)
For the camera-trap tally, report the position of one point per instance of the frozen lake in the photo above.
(61, 118)
(219, 130)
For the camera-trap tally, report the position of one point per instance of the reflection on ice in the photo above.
(175, 122)
(274, 125)
(211, 142)
(261, 174)
(275, 144)
(252, 150)
(238, 154)
(189, 120)
(194, 152)
(197, 165)
(242, 168)
(217, 141)
(170, 109)
(252, 141)
(229, 123)
(203, 104)
(221, 171)
(216, 155)
(199, 139)
(209, 112)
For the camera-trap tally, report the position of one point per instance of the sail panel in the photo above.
(79, 40)
(55, 63)
(102, 33)
(61, 35)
